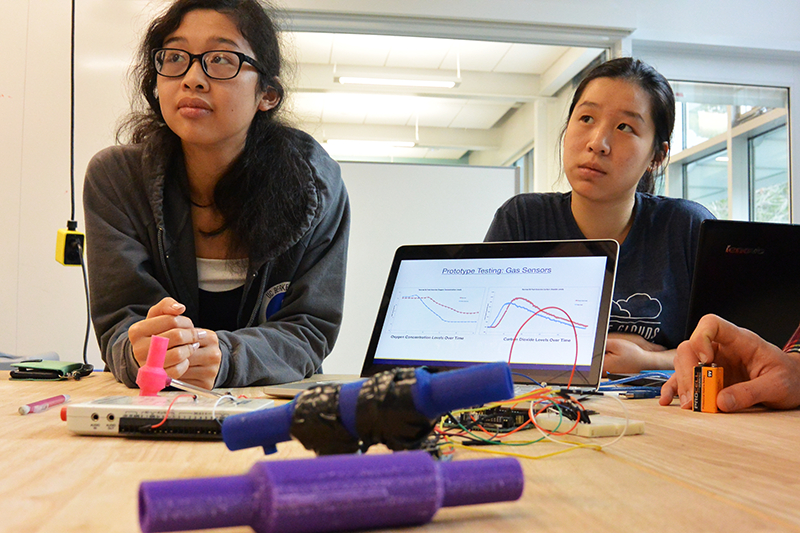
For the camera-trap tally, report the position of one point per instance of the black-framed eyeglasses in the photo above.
(217, 64)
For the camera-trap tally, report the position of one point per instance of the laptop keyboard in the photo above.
(522, 388)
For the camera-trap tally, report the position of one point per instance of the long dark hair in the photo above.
(662, 107)
(262, 196)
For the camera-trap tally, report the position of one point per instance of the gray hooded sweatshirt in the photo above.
(140, 249)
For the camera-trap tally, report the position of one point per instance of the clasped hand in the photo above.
(627, 353)
(193, 354)
(755, 371)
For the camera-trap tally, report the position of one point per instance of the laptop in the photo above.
(747, 273)
(541, 306)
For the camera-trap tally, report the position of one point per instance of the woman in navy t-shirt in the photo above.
(615, 144)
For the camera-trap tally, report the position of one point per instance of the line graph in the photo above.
(436, 310)
(526, 305)
(430, 303)
(542, 324)
(553, 312)
(553, 324)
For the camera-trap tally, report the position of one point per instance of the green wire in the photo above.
(500, 443)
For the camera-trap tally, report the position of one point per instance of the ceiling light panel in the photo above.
(417, 52)
(439, 116)
(305, 47)
(357, 143)
(389, 116)
(399, 81)
(485, 94)
(529, 58)
(475, 55)
(348, 108)
(375, 109)
(445, 153)
(479, 116)
(339, 115)
(372, 149)
(363, 50)
(306, 106)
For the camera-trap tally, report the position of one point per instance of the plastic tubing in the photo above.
(335, 493)
(433, 396)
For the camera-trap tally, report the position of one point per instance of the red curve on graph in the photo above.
(574, 331)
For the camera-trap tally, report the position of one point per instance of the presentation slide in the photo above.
(541, 312)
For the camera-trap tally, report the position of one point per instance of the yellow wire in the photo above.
(575, 446)
(543, 395)
(517, 399)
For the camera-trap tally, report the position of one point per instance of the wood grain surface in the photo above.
(687, 472)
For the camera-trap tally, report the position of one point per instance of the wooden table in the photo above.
(688, 472)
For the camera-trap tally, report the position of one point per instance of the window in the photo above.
(769, 168)
(730, 150)
(703, 122)
(706, 182)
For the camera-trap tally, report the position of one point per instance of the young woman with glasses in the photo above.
(216, 226)
(615, 144)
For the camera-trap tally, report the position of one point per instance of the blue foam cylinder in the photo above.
(436, 394)
(265, 428)
(348, 399)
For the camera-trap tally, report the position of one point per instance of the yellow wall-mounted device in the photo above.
(69, 247)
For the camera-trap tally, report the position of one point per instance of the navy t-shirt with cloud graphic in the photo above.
(656, 261)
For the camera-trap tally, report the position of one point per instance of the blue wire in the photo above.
(526, 377)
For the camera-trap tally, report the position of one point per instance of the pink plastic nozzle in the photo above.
(151, 377)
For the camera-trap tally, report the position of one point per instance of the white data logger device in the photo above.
(189, 418)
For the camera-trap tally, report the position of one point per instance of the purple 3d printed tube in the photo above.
(337, 493)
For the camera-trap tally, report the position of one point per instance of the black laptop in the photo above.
(542, 306)
(749, 274)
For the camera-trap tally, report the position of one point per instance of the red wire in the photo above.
(472, 417)
(169, 408)
(574, 331)
(577, 420)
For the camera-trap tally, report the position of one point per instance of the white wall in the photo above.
(12, 89)
(42, 302)
(401, 204)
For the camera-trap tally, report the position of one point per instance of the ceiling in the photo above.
(493, 80)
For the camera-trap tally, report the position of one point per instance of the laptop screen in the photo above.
(543, 307)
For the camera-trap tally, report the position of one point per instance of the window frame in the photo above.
(735, 66)
(736, 141)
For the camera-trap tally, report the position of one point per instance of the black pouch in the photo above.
(49, 370)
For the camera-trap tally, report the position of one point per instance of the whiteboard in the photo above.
(394, 204)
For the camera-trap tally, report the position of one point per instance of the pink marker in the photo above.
(43, 405)
(152, 377)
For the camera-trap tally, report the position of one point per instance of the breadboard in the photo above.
(601, 426)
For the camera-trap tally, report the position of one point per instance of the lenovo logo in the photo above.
(744, 251)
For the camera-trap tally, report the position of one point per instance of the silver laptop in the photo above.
(541, 306)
